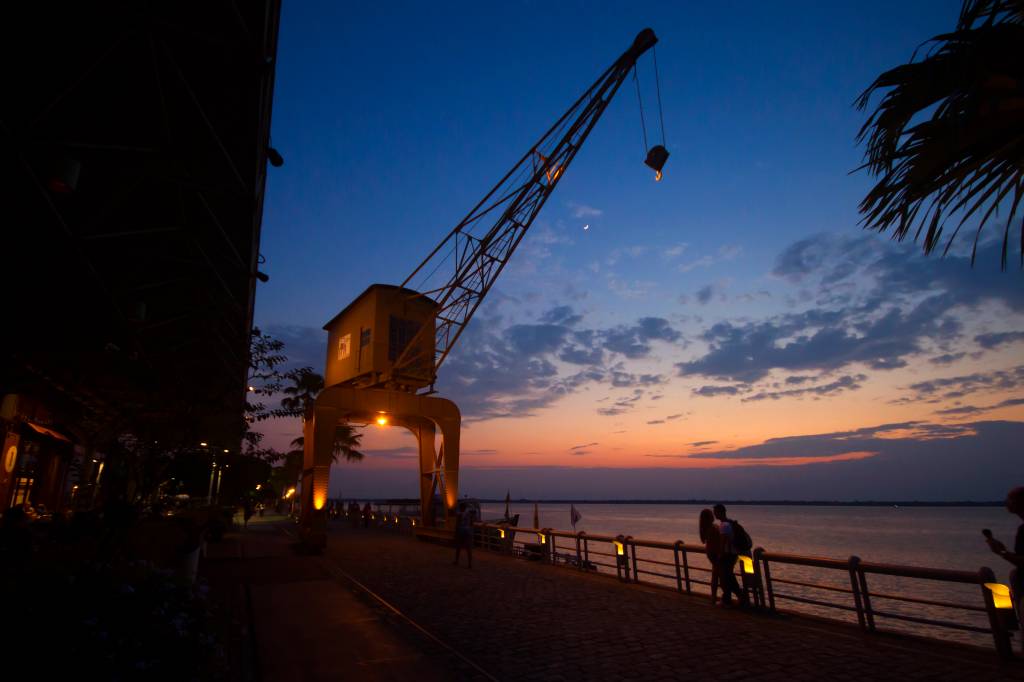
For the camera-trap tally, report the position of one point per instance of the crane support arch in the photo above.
(424, 416)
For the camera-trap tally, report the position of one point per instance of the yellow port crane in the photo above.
(386, 346)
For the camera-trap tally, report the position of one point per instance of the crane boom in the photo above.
(477, 249)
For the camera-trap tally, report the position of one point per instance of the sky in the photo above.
(729, 332)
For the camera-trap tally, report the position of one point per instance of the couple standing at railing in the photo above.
(1014, 505)
(724, 541)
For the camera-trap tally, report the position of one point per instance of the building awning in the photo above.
(47, 431)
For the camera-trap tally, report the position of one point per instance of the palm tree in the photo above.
(301, 393)
(300, 396)
(346, 440)
(947, 138)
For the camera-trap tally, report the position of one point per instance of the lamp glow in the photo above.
(319, 500)
(1000, 595)
(542, 538)
(291, 491)
(501, 533)
(619, 548)
(748, 564)
(258, 486)
(202, 444)
(382, 419)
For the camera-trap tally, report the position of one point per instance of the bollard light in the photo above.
(501, 533)
(619, 548)
(542, 539)
(382, 419)
(748, 564)
(1000, 595)
(414, 523)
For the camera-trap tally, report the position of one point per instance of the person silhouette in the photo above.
(464, 519)
(727, 561)
(1014, 505)
(712, 541)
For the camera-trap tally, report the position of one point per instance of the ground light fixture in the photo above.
(382, 419)
(748, 564)
(1000, 595)
(619, 548)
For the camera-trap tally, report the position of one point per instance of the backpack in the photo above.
(741, 541)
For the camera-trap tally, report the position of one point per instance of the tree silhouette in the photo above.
(947, 138)
(298, 402)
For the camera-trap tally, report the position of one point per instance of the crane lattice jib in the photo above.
(460, 271)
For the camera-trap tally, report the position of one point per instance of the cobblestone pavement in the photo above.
(526, 621)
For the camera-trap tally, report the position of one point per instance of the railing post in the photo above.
(631, 542)
(679, 574)
(586, 548)
(854, 564)
(865, 596)
(579, 555)
(621, 563)
(995, 619)
(686, 568)
(758, 583)
(768, 582)
(549, 541)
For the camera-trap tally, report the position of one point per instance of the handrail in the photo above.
(756, 575)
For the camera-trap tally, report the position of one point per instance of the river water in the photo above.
(935, 537)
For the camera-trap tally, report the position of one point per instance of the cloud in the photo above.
(404, 452)
(819, 339)
(656, 421)
(874, 304)
(972, 410)
(561, 315)
(585, 445)
(633, 341)
(533, 339)
(704, 294)
(702, 443)
(867, 439)
(712, 391)
(584, 211)
(990, 341)
(946, 358)
(725, 253)
(304, 346)
(675, 251)
(622, 405)
(673, 416)
(962, 385)
(843, 383)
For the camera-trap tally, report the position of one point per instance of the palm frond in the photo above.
(967, 157)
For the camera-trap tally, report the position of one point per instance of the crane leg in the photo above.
(318, 442)
(424, 416)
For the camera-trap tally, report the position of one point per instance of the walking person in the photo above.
(1014, 505)
(712, 541)
(367, 513)
(727, 560)
(464, 518)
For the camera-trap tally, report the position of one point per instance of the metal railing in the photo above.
(671, 564)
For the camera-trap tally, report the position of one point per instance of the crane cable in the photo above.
(639, 99)
(657, 82)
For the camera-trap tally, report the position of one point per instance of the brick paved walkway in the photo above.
(524, 621)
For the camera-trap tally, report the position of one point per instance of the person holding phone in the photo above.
(1014, 505)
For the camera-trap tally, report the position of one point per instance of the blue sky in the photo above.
(734, 303)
